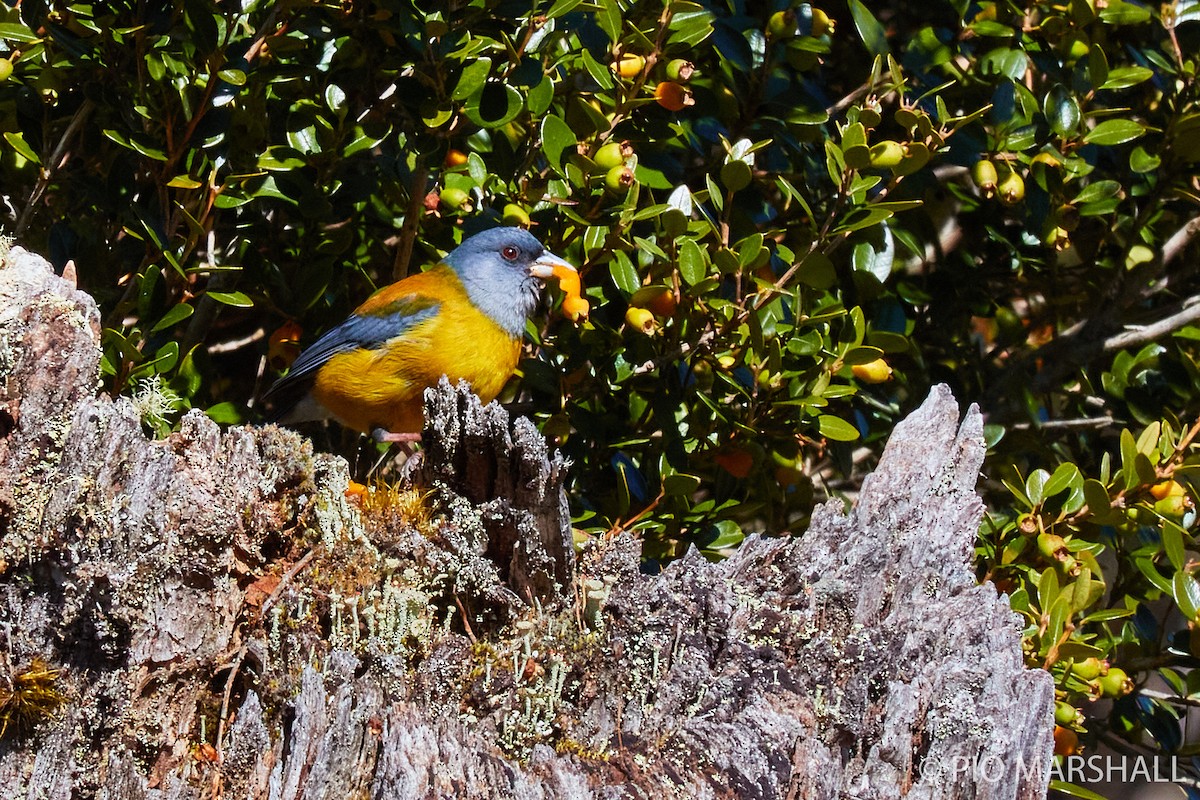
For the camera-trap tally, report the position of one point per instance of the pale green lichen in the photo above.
(156, 404)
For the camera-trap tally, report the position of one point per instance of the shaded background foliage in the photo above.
(791, 221)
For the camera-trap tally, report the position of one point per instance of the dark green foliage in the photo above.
(771, 206)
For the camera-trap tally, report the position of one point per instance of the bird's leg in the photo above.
(382, 435)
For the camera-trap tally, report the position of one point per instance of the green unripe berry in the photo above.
(887, 154)
(1115, 684)
(514, 214)
(680, 70)
(1089, 669)
(782, 25)
(1066, 714)
(985, 177)
(454, 198)
(1052, 546)
(618, 179)
(1011, 189)
(612, 155)
(6, 69)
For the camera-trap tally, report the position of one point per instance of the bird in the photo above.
(464, 318)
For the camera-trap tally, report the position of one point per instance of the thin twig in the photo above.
(52, 164)
(1065, 424)
(241, 655)
(412, 220)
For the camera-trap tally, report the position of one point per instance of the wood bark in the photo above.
(230, 623)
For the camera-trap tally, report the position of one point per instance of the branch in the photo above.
(1180, 240)
(1141, 335)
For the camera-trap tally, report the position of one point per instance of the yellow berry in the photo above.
(876, 371)
(640, 319)
(629, 65)
(821, 23)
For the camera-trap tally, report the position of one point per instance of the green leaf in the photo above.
(1064, 476)
(184, 182)
(177, 314)
(225, 414)
(693, 262)
(557, 136)
(875, 252)
(1118, 12)
(1147, 568)
(1099, 190)
(1047, 588)
(472, 80)
(816, 270)
(680, 484)
(1114, 131)
(17, 33)
(540, 96)
(1061, 110)
(1186, 592)
(237, 299)
(1035, 486)
(1097, 497)
(624, 273)
(1142, 161)
(1106, 614)
(1124, 77)
(691, 23)
(233, 76)
(562, 7)
(1075, 790)
(608, 17)
(17, 141)
(872, 33)
(1172, 539)
(836, 428)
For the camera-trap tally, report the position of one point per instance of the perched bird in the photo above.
(464, 319)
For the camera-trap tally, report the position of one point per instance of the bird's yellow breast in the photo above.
(384, 387)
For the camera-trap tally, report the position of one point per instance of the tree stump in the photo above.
(228, 623)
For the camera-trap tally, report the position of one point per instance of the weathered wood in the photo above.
(230, 625)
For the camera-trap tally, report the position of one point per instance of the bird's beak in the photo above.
(575, 306)
(549, 266)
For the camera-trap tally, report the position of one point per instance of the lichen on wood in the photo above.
(229, 622)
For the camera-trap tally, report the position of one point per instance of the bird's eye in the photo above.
(510, 253)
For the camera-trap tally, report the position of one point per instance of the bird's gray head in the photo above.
(503, 270)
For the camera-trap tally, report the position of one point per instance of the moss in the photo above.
(29, 696)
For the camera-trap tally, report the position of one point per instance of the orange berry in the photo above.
(663, 304)
(575, 308)
(672, 96)
(1166, 489)
(455, 158)
(736, 462)
(1066, 741)
(283, 345)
